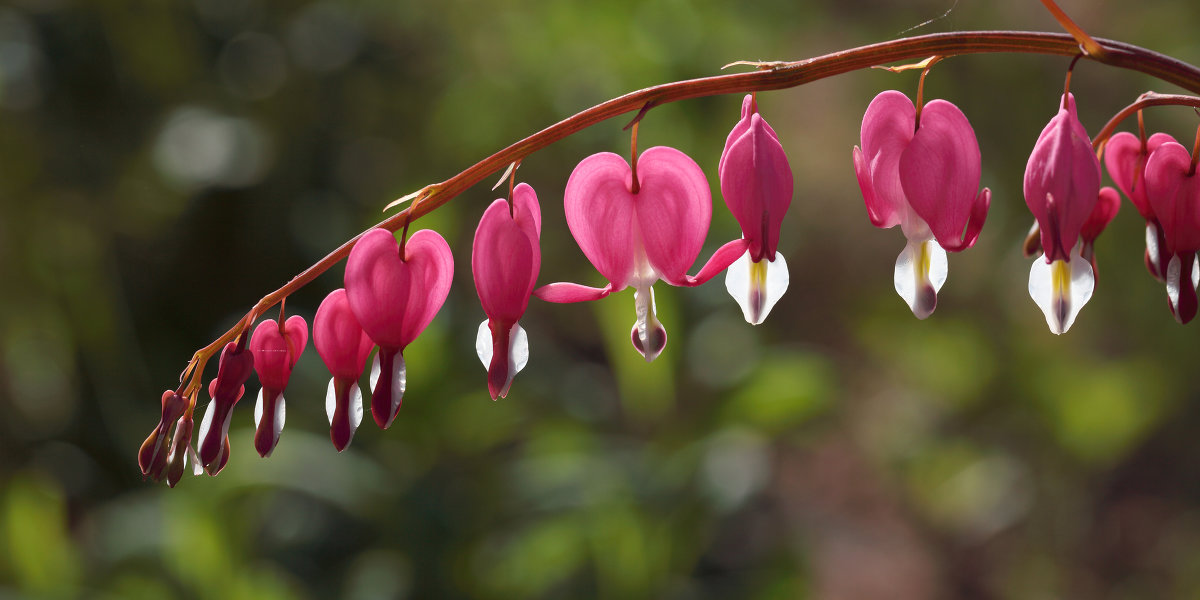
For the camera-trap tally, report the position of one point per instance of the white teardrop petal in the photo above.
(1061, 289)
(757, 286)
(356, 406)
(202, 433)
(1152, 245)
(483, 344)
(398, 379)
(921, 270)
(330, 400)
(258, 408)
(518, 350)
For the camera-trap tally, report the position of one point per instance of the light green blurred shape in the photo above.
(966, 489)
(1098, 411)
(38, 549)
(948, 358)
(474, 423)
(547, 552)
(787, 389)
(647, 389)
(630, 550)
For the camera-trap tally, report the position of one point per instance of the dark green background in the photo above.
(163, 164)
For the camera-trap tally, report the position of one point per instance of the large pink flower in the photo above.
(276, 349)
(345, 348)
(1173, 188)
(394, 298)
(756, 182)
(1062, 186)
(505, 260)
(924, 177)
(636, 238)
(1125, 157)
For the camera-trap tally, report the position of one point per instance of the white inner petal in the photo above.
(757, 286)
(1152, 245)
(483, 344)
(205, 424)
(921, 270)
(398, 379)
(1061, 289)
(518, 348)
(331, 399)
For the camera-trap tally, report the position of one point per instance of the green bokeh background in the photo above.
(164, 164)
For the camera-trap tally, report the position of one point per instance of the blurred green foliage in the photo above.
(162, 165)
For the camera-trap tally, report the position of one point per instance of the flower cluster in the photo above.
(646, 220)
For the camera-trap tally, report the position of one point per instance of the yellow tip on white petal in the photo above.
(1061, 289)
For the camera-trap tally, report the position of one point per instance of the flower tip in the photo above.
(656, 341)
(388, 378)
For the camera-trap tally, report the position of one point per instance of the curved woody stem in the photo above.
(770, 76)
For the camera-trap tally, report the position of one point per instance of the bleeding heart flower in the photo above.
(394, 298)
(505, 260)
(635, 238)
(1173, 189)
(345, 348)
(923, 176)
(1125, 157)
(235, 368)
(276, 349)
(756, 182)
(1062, 186)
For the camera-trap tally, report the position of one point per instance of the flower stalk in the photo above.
(769, 76)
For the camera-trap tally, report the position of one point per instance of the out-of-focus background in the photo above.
(164, 164)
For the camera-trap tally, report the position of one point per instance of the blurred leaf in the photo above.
(787, 389)
(38, 548)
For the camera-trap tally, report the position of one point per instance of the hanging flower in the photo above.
(234, 369)
(922, 175)
(637, 234)
(505, 260)
(1173, 189)
(344, 348)
(1125, 157)
(276, 349)
(756, 182)
(1062, 186)
(394, 296)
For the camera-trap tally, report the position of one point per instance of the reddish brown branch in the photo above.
(776, 76)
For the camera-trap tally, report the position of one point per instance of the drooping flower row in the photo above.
(634, 230)
(918, 167)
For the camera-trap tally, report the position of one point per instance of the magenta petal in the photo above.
(979, 210)
(504, 262)
(432, 264)
(1125, 159)
(887, 128)
(939, 171)
(756, 182)
(276, 352)
(1175, 197)
(721, 259)
(339, 339)
(378, 284)
(749, 108)
(674, 207)
(565, 293)
(526, 211)
(1107, 205)
(600, 213)
(1062, 182)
